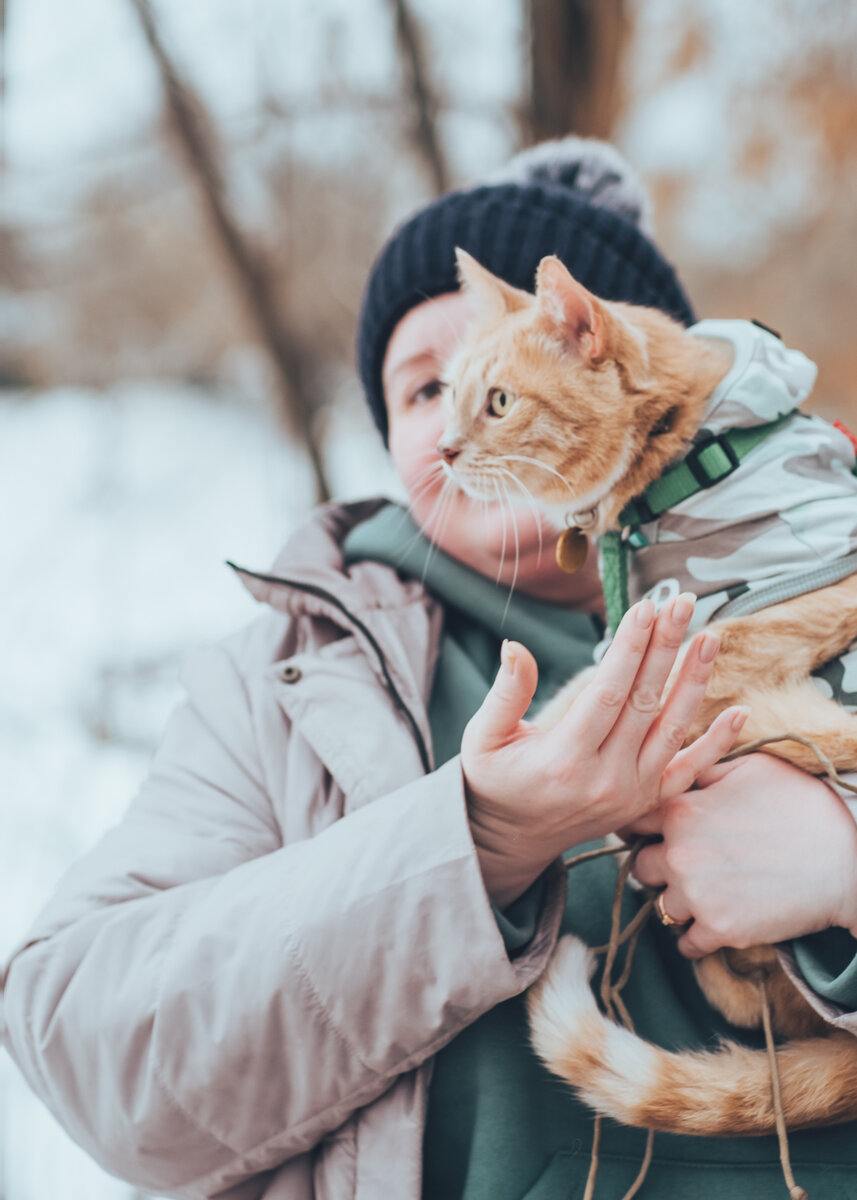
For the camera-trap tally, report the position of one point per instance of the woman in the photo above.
(295, 969)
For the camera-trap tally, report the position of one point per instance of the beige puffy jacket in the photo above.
(239, 990)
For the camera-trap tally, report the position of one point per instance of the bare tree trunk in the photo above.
(196, 134)
(4, 14)
(424, 103)
(575, 55)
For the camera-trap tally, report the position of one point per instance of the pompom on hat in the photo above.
(576, 198)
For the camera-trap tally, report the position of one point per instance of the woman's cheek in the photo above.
(413, 446)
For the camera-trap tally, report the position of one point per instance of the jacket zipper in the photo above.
(321, 594)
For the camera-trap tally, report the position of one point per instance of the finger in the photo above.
(667, 735)
(593, 714)
(714, 774)
(498, 718)
(644, 701)
(697, 942)
(675, 906)
(650, 867)
(652, 822)
(688, 765)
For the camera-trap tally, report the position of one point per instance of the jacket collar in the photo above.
(396, 622)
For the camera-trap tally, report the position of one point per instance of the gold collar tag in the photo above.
(572, 547)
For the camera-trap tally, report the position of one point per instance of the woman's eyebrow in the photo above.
(428, 356)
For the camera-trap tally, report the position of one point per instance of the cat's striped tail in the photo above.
(720, 1092)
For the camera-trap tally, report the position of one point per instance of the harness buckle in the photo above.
(693, 460)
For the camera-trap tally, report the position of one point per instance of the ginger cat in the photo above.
(585, 403)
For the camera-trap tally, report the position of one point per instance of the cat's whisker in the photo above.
(535, 462)
(436, 466)
(424, 484)
(533, 508)
(452, 492)
(447, 488)
(429, 480)
(419, 494)
(448, 512)
(517, 552)
(496, 483)
(445, 499)
(425, 526)
(431, 538)
(409, 511)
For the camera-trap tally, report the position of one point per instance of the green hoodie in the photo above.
(499, 1126)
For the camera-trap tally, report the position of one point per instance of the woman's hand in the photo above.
(761, 852)
(611, 758)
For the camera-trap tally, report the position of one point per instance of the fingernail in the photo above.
(683, 606)
(708, 647)
(507, 656)
(741, 715)
(645, 613)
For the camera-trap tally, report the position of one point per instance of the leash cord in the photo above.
(795, 1191)
(610, 991)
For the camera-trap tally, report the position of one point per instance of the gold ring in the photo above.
(663, 916)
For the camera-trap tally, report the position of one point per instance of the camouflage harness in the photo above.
(712, 458)
(763, 507)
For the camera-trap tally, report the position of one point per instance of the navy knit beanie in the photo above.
(575, 198)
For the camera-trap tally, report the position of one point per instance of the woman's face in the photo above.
(504, 541)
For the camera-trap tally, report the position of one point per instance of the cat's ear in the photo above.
(492, 297)
(567, 310)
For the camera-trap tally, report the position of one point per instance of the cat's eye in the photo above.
(500, 401)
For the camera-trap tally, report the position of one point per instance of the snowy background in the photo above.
(131, 467)
(119, 510)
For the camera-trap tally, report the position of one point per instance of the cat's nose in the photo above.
(447, 453)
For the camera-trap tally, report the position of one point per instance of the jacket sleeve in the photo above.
(199, 1003)
(823, 965)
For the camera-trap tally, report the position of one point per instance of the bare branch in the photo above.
(198, 140)
(4, 21)
(424, 103)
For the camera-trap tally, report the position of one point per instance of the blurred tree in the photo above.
(575, 56)
(424, 131)
(195, 132)
(4, 14)
(19, 314)
(743, 121)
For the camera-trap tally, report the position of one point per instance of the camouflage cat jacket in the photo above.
(783, 523)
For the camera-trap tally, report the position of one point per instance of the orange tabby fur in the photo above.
(576, 366)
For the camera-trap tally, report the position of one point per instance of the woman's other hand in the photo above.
(614, 755)
(761, 852)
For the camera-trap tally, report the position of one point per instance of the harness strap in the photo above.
(711, 459)
(613, 567)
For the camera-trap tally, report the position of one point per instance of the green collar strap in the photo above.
(711, 459)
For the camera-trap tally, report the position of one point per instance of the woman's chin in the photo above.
(484, 532)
